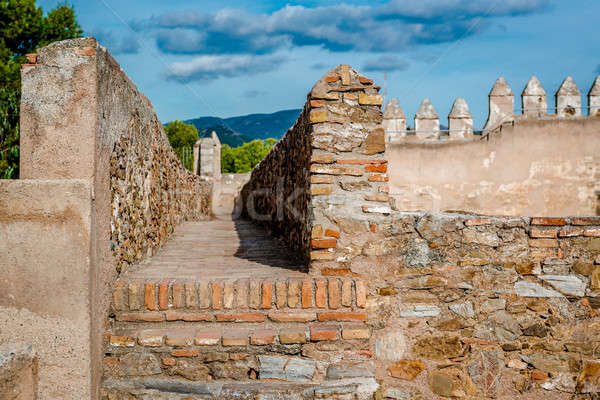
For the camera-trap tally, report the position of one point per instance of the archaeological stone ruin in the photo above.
(359, 260)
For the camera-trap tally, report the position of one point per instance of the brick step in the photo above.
(151, 299)
(160, 388)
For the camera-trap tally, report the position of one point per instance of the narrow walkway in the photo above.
(219, 249)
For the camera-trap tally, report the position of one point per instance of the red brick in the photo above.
(320, 293)
(263, 337)
(317, 103)
(267, 294)
(151, 337)
(31, 58)
(541, 254)
(293, 292)
(548, 221)
(321, 179)
(307, 296)
(292, 337)
(321, 333)
(242, 317)
(178, 295)
(180, 337)
(323, 243)
(378, 178)
(342, 316)
(332, 233)
(204, 294)
(163, 295)
(136, 294)
(207, 338)
(542, 233)
(292, 316)
(217, 295)
(570, 232)
(592, 233)
(384, 189)
(361, 294)
(190, 294)
(185, 353)
(543, 243)
(478, 221)
(168, 361)
(346, 292)
(373, 228)
(539, 376)
(376, 168)
(141, 317)
(351, 333)
(586, 221)
(337, 272)
(121, 341)
(364, 80)
(333, 288)
(361, 162)
(188, 316)
(235, 338)
(280, 294)
(150, 296)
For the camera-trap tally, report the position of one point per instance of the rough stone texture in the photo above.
(536, 167)
(207, 157)
(533, 99)
(594, 98)
(568, 99)
(18, 372)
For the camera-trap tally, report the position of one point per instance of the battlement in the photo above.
(534, 104)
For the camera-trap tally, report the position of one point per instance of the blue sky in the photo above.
(233, 57)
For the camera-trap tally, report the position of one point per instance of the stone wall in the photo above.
(327, 166)
(83, 119)
(483, 307)
(18, 373)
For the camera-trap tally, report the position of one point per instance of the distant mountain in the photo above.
(238, 130)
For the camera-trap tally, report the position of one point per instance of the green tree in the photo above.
(23, 29)
(245, 157)
(182, 137)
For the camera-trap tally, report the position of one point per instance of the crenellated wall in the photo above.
(101, 188)
(536, 163)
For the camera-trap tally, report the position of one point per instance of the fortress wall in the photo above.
(82, 118)
(536, 167)
(328, 166)
(18, 372)
(46, 240)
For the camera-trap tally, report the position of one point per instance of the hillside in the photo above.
(237, 130)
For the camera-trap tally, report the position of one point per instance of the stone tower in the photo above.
(594, 98)
(460, 120)
(427, 122)
(502, 104)
(394, 121)
(568, 99)
(533, 99)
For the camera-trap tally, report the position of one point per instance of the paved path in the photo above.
(219, 249)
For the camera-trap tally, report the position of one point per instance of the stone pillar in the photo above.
(427, 122)
(394, 121)
(594, 98)
(207, 157)
(533, 99)
(216, 156)
(568, 99)
(502, 104)
(460, 120)
(196, 164)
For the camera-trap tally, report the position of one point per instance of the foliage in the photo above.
(244, 158)
(23, 29)
(182, 137)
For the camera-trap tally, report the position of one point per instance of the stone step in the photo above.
(151, 300)
(178, 389)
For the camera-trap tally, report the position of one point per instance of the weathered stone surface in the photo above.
(566, 284)
(139, 364)
(291, 369)
(451, 382)
(499, 326)
(552, 362)
(532, 289)
(390, 346)
(485, 370)
(191, 371)
(355, 370)
(465, 309)
(438, 347)
(420, 311)
(491, 305)
(406, 369)
(588, 380)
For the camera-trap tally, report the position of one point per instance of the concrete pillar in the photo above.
(460, 120)
(427, 122)
(533, 99)
(594, 98)
(394, 121)
(502, 104)
(568, 99)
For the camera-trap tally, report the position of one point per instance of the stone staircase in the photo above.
(237, 326)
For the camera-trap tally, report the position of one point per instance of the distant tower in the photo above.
(533, 98)
(394, 121)
(568, 99)
(427, 122)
